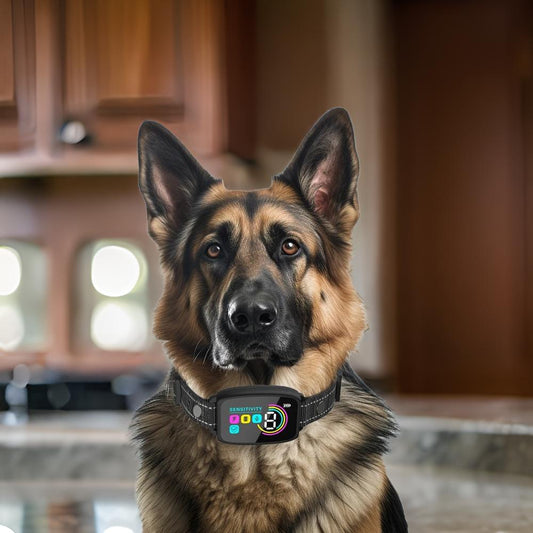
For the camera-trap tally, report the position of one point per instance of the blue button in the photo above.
(257, 419)
(234, 429)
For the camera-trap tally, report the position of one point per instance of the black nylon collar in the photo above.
(203, 411)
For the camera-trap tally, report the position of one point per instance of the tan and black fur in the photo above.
(331, 478)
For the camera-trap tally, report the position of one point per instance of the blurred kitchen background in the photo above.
(441, 96)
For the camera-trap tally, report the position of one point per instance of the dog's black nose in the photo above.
(252, 314)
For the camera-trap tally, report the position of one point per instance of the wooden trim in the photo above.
(48, 86)
(527, 153)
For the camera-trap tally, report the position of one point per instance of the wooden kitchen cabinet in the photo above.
(109, 65)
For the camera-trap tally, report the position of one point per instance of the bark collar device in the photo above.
(258, 414)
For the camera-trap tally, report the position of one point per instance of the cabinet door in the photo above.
(130, 60)
(17, 75)
(464, 318)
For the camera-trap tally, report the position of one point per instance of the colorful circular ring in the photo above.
(283, 423)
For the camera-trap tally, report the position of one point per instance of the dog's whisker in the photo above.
(195, 356)
(208, 350)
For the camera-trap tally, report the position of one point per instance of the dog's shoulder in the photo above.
(150, 421)
(362, 400)
(365, 413)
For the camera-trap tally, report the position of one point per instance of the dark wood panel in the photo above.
(461, 212)
(292, 80)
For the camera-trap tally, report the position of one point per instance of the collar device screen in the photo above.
(257, 417)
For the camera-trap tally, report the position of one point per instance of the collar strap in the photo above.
(203, 410)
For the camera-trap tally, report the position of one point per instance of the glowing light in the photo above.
(109, 514)
(115, 271)
(116, 529)
(119, 326)
(11, 328)
(11, 512)
(10, 270)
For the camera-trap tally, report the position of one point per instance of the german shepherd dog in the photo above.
(258, 291)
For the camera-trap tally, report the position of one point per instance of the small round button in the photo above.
(197, 411)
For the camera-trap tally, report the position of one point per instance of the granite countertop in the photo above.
(459, 464)
(69, 427)
(504, 411)
(435, 500)
(450, 500)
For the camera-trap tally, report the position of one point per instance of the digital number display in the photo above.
(257, 419)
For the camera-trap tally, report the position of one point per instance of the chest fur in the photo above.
(267, 488)
(262, 488)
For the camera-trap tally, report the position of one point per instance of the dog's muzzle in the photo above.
(252, 315)
(255, 323)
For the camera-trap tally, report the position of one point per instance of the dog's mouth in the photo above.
(258, 360)
(259, 370)
(256, 350)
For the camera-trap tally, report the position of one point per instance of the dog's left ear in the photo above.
(325, 169)
(170, 179)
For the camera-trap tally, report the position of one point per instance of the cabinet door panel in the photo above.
(126, 61)
(17, 75)
(461, 210)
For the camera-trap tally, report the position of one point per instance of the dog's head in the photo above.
(260, 275)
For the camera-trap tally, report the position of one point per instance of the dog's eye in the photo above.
(290, 247)
(213, 250)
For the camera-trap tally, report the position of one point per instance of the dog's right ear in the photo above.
(325, 168)
(170, 179)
